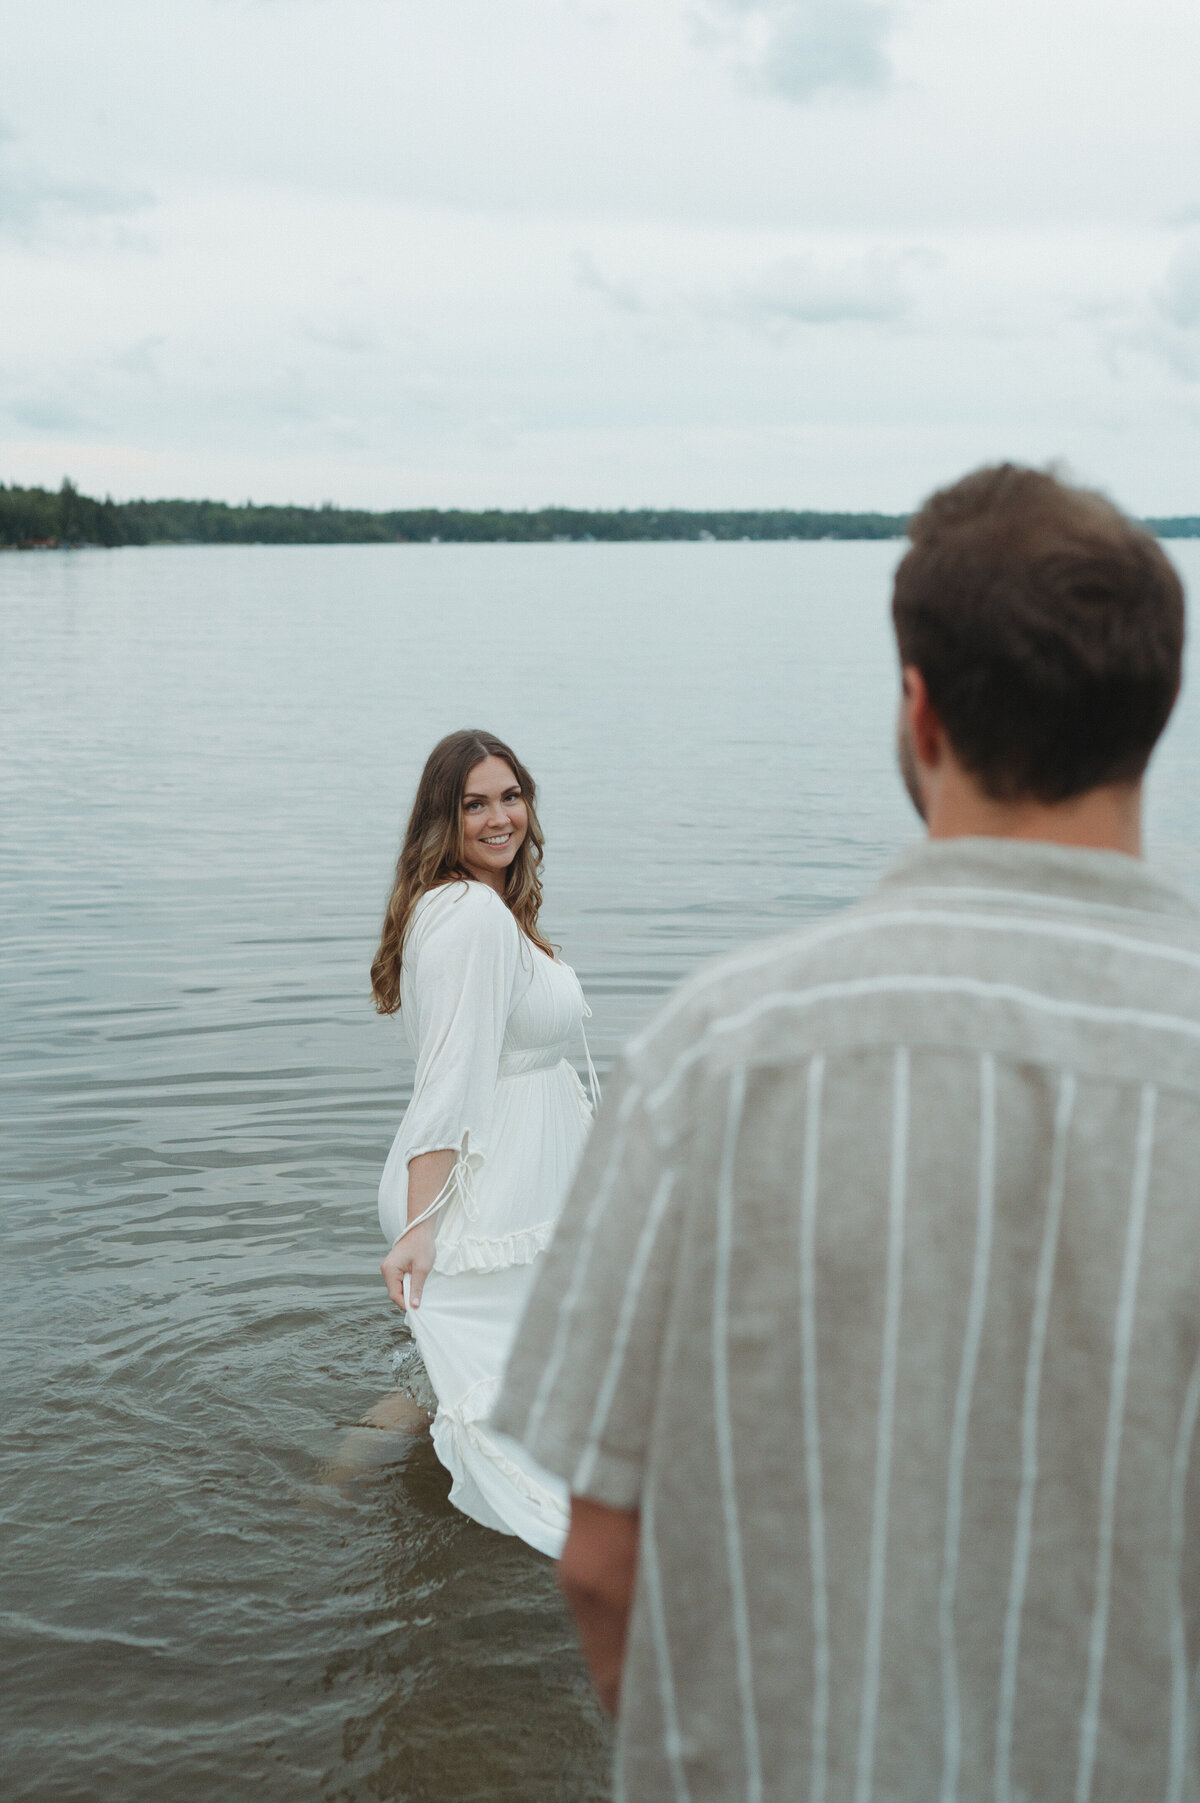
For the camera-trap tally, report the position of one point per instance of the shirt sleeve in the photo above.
(581, 1386)
(464, 961)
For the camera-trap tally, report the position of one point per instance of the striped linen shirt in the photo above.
(878, 1295)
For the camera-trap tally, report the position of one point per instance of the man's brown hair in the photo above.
(1048, 628)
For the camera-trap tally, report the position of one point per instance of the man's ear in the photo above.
(927, 734)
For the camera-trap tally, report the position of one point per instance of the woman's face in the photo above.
(495, 821)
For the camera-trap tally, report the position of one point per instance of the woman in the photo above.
(489, 1143)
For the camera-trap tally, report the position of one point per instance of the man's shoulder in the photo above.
(1041, 927)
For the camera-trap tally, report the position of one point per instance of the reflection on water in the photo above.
(476, 1676)
(206, 757)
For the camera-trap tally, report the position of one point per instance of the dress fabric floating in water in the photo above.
(491, 1019)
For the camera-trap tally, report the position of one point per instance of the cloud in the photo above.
(1178, 301)
(44, 413)
(1171, 335)
(621, 295)
(1163, 326)
(797, 290)
(800, 290)
(337, 334)
(801, 48)
(141, 359)
(32, 201)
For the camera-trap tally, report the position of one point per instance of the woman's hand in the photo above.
(411, 1257)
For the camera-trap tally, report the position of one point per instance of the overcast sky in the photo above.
(601, 252)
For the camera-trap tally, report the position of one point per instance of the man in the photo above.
(870, 1341)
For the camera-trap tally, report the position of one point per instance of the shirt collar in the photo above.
(1036, 870)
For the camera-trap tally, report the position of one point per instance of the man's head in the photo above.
(1047, 631)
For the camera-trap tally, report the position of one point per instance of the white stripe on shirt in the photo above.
(877, 1575)
(1089, 1725)
(810, 1173)
(622, 1332)
(1180, 1674)
(985, 1209)
(1006, 1712)
(649, 1573)
(870, 919)
(1042, 899)
(739, 1611)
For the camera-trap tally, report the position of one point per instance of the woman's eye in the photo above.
(471, 807)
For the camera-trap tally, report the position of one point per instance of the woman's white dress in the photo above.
(491, 1020)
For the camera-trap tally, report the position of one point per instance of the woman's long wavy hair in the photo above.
(432, 852)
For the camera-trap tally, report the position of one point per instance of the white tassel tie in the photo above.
(593, 1080)
(460, 1185)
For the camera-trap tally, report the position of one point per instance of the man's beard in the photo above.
(907, 759)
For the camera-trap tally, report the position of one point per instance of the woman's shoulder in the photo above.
(461, 906)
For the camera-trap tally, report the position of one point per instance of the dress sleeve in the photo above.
(464, 959)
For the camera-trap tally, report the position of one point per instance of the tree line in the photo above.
(31, 517)
(62, 518)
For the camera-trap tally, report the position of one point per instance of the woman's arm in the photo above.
(412, 1255)
(462, 958)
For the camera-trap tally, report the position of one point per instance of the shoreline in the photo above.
(39, 519)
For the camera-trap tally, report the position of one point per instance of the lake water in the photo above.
(207, 757)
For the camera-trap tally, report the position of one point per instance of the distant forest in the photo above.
(36, 518)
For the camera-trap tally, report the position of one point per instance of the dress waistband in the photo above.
(539, 1058)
